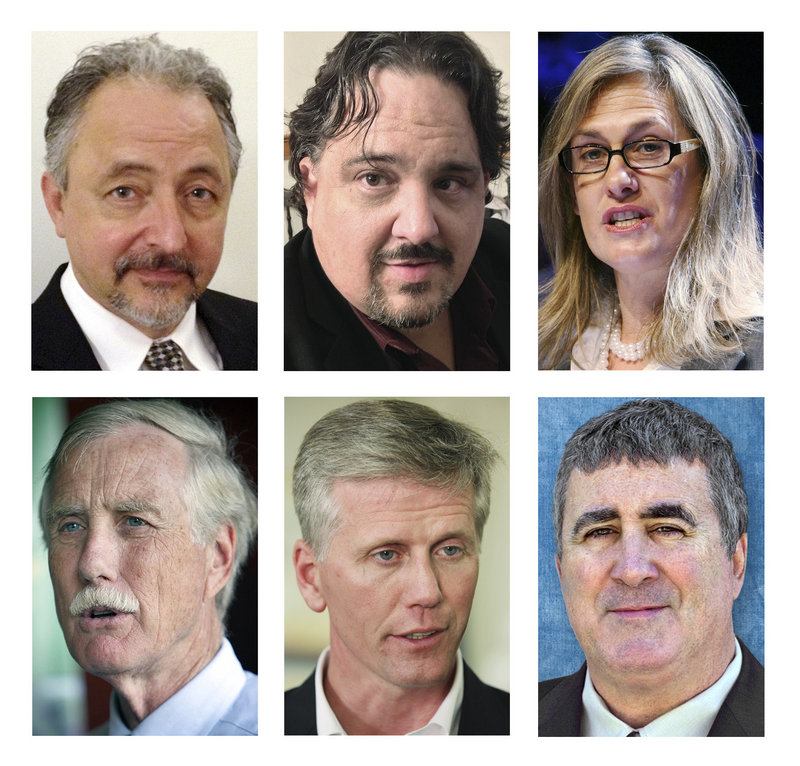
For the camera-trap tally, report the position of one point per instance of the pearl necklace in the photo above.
(628, 352)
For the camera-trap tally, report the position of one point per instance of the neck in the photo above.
(640, 698)
(640, 298)
(436, 338)
(371, 705)
(140, 693)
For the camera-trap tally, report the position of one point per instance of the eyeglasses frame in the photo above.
(675, 148)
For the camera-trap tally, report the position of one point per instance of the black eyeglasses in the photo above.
(638, 155)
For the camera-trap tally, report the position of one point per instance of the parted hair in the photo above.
(216, 490)
(144, 58)
(343, 99)
(715, 285)
(386, 439)
(656, 431)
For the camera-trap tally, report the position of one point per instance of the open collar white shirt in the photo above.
(443, 723)
(694, 718)
(118, 345)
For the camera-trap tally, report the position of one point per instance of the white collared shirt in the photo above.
(694, 718)
(118, 345)
(444, 721)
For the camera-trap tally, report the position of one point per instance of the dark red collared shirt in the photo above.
(471, 311)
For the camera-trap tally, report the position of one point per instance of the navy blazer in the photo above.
(321, 331)
(484, 709)
(741, 714)
(58, 343)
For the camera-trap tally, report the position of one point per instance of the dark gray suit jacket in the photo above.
(741, 714)
(58, 343)
(484, 709)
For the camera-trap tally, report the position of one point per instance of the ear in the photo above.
(739, 562)
(54, 201)
(306, 571)
(558, 566)
(308, 176)
(221, 553)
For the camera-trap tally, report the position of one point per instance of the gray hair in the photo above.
(216, 492)
(715, 285)
(145, 58)
(383, 439)
(656, 431)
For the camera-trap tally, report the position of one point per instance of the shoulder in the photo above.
(749, 357)
(742, 712)
(241, 719)
(240, 309)
(494, 250)
(560, 705)
(484, 709)
(300, 709)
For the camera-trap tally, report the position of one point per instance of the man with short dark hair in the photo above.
(392, 150)
(147, 521)
(392, 500)
(142, 154)
(650, 517)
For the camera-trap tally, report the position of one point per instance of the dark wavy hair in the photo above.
(343, 98)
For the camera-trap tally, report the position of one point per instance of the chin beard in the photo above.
(163, 309)
(421, 307)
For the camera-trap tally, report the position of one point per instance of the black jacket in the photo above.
(59, 344)
(484, 709)
(741, 714)
(321, 332)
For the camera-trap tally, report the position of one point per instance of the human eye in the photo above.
(450, 184)
(669, 531)
(373, 180)
(200, 193)
(451, 551)
(599, 532)
(69, 527)
(385, 555)
(122, 193)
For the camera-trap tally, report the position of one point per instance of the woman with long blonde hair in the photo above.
(646, 209)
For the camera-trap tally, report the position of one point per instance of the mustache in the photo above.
(156, 260)
(424, 252)
(93, 596)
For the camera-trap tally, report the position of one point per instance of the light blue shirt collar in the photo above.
(202, 706)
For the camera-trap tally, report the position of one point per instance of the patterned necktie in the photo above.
(164, 355)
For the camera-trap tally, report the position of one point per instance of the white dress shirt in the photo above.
(444, 721)
(118, 345)
(694, 718)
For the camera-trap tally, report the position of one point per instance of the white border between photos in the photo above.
(523, 385)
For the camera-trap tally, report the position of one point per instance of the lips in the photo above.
(627, 217)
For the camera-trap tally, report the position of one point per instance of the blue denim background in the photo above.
(742, 421)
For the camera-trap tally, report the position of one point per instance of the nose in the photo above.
(634, 564)
(621, 181)
(422, 585)
(164, 225)
(99, 558)
(415, 221)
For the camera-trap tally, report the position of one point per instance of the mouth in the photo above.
(419, 636)
(628, 218)
(637, 611)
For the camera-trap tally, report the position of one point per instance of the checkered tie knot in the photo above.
(164, 355)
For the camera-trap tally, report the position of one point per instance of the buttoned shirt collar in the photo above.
(444, 721)
(197, 707)
(694, 718)
(118, 345)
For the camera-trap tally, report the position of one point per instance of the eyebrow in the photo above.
(129, 166)
(665, 510)
(635, 128)
(55, 513)
(448, 166)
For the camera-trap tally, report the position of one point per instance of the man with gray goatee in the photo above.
(147, 521)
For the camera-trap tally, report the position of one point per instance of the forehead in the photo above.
(414, 111)
(630, 489)
(627, 103)
(136, 462)
(127, 114)
(400, 505)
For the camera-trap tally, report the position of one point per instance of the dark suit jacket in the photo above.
(484, 709)
(321, 332)
(741, 714)
(59, 344)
